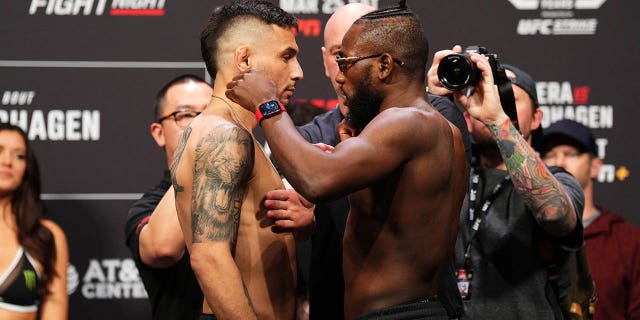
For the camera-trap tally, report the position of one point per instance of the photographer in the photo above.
(516, 205)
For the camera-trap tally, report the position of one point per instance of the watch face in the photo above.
(269, 107)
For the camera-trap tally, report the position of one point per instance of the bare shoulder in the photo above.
(205, 131)
(58, 234)
(55, 229)
(216, 133)
(414, 122)
(202, 129)
(208, 140)
(220, 144)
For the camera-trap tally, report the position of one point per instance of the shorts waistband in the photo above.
(207, 316)
(412, 305)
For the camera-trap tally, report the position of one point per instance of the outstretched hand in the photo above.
(291, 213)
(251, 89)
(484, 103)
(324, 147)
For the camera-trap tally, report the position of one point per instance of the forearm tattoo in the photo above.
(176, 158)
(542, 193)
(222, 167)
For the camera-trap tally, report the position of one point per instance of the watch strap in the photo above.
(261, 114)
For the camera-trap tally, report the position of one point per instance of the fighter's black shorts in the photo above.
(207, 316)
(428, 308)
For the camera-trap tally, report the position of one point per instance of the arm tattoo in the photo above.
(176, 159)
(541, 192)
(223, 164)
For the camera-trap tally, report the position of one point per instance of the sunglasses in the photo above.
(344, 63)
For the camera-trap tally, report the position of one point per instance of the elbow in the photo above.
(163, 255)
(169, 254)
(315, 190)
(204, 261)
(558, 221)
(198, 261)
(310, 194)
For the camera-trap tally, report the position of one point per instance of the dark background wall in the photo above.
(80, 76)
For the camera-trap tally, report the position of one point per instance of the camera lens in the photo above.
(456, 71)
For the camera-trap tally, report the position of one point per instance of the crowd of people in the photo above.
(418, 202)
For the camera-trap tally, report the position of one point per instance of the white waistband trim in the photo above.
(13, 307)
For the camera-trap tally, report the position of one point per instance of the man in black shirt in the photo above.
(154, 236)
(520, 217)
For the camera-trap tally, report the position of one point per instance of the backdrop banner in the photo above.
(81, 75)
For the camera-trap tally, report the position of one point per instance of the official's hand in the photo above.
(433, 83)
(484, 103)
(324, 147)
(251, 89)
(291, 213)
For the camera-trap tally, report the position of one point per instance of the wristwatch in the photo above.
(269, 109)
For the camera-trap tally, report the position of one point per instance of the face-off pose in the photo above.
(401, 162)
(221, 175)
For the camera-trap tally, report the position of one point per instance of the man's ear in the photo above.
(242, 58)
(596, 163)
(468, 121)
(536, 122)
(386, 66)
(157, 132)
(325, 61)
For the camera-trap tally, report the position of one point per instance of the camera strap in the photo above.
(507, 99)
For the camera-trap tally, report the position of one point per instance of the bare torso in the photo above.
(266, 260)
(400, 232)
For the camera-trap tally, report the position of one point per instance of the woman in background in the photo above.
(33, 250)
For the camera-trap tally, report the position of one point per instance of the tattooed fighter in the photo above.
(220, 173)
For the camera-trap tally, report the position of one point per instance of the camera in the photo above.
(456, 71)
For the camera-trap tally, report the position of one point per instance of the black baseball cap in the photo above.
(569, 132)
(524, 81)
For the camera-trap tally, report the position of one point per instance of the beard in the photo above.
(364, 104)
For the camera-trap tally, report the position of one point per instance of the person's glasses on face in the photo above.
(344, 63)
(181, 117)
